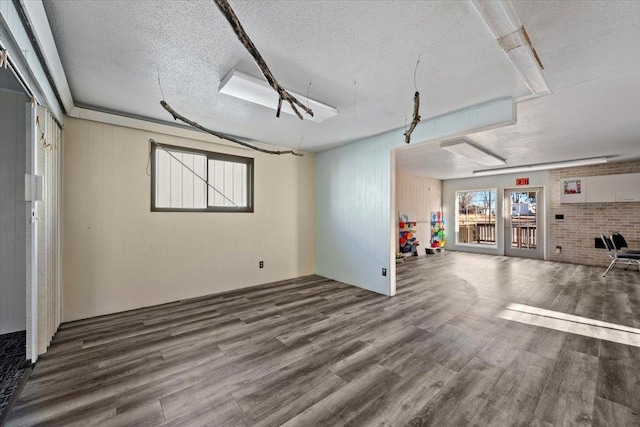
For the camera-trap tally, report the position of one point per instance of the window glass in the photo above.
(193, 180)
(476, 217)
(228, 183)
(176, 185)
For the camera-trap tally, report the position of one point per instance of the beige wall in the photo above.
(584, 221)
(418, 196)
(120, 256)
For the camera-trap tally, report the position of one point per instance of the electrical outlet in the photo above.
(261, 264)
(384, 271)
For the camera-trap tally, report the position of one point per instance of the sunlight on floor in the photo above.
(572, 324)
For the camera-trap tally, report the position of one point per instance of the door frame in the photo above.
(541, 232)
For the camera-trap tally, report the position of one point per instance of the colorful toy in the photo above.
(407, 241)
(437, 230)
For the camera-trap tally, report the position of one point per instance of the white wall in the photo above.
(353, 200)
(418, 196)
(499, 183)
(120, 256)
(12, 212)
(355, 196)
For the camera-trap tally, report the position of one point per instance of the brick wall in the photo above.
(584, 221)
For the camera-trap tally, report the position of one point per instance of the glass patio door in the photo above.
(524, 229)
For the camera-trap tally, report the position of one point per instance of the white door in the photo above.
(523, 226)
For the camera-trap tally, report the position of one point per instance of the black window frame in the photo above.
(210, 155)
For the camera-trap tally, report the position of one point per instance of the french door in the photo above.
(524, 234)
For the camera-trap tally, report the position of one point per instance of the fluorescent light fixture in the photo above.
(505, 25)
(470, 151)
(258, 91)
(541, 166)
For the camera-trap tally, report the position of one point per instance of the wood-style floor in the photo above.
(313, 352)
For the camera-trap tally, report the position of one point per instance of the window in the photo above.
(188, 180)
(476, 217)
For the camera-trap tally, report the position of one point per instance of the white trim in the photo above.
(541, 222)
(32, 140)
(140, 124)
(24, 60)
(477, 245)
(35, 12)
(60, 225)
(456, 227)
(392, 225)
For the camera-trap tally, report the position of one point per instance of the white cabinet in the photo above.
(601, 188)
(573, 190)
(628, 188)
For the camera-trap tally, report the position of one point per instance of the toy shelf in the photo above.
(407, 241)
(437, 233)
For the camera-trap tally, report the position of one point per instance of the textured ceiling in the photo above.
(113, 51)
(570, 124)
(592, 61)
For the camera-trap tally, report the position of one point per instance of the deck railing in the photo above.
(477, 233)
(524, 236)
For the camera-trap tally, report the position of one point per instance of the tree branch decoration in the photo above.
(416, 117)
(228, 13)
(178, 116)
(4, 59)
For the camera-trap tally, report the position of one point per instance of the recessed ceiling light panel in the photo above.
(470, 151)
(542, 166)
(253, 89)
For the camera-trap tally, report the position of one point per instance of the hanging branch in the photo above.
(4, 59)
(416, 117)
(177, 116)
(228, 13)
(43, 138)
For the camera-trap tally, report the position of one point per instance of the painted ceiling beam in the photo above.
(42, 31)
(502, 20)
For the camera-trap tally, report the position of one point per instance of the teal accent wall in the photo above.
(355, 227)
